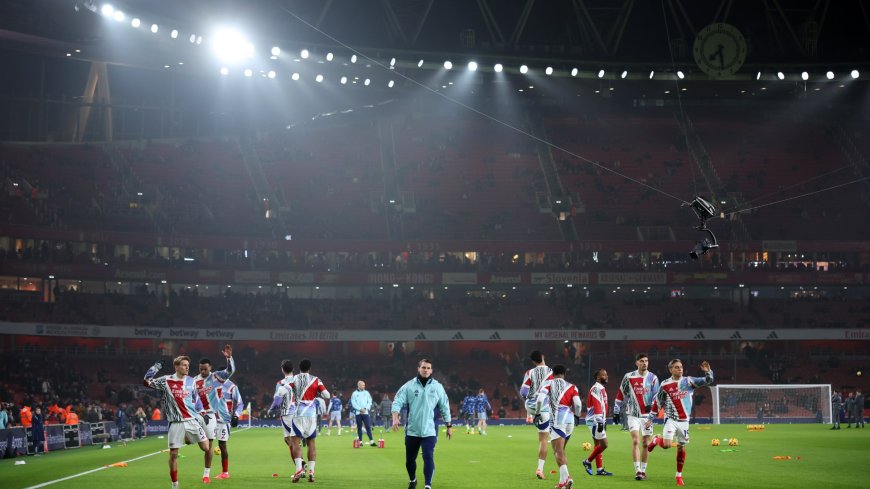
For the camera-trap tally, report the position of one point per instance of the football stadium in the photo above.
(434, 243)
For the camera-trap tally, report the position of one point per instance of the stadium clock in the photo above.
(720, 50)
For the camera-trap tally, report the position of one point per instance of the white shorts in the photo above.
(335, 416)
(481, 415)
(542, 422)
(561, 431)
(678, 428)
(596, 435)
(211, 426)
(223, 431)
(189, 429)
(287, 424)
(638, 424)
(304, 427)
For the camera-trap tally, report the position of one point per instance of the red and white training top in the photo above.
(563, 399)
(179, 396)
(307, 388)
(596, 405)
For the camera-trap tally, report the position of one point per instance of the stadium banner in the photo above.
(459, 278)
(13, 442)
(559, 279)
(639, 278)
(54, 437)
(112, 429)
(390, 335)
(85, 437)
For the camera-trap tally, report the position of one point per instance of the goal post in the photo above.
(771, 403)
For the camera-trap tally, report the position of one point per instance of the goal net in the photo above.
(762, 404)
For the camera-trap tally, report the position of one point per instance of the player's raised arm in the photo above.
(707, 379)
(151, 373)
(224, 375)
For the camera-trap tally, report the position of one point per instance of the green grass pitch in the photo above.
(505, 458)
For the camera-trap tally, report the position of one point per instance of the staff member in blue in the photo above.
(361, 402)
(421, 395)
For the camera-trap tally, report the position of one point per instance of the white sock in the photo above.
(175, 485)
(541, 464)
(679, 474)
(637, 466)
(206, 471)
(311, 465)
(563, 473)
(298, 463)
(643, 466)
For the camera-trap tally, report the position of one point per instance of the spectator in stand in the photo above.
(4, 416)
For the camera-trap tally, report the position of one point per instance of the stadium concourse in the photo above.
(367, 183)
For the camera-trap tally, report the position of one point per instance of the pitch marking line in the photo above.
(100, 468)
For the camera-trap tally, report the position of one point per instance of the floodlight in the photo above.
(353, 59)
(136, 23)
(295, 76)
(174, 34)
(107, 10)
(780, 75)
(549, 70)
(304, 54)
(329, 56)
(154, 28)
(680, 74)
(805, 76)
(225, 71)
(119, 16)
(391, 84)
(343, 80)
(276, 51)
(420, 64)
(248, 72)
(498, 68)
(367, 82)
(600, 73)
(830, 75)
(271, 74)
(318, 78)
(624, 74)
(393, 62)
(574, 71)
(524, 69)
(472, 66)
(448, 65)
(855, 74)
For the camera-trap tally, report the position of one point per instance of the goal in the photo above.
(774, 403)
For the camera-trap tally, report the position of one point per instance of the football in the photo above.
(715, 442)
(217, 450)
(587, 446)
(733, 442)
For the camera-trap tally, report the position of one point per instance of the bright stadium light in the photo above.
(549, 70)
(391, 84)
(829, 75)
(304, 54)
(367, 82)
(353, 59)
(420, 64)
(174, 34)
(600, 73)
(119, 16)
(136, 23)
(248, 72)
(295, 76)
(780, 75)
(271, 74)
(393, 62)
(805, 76)
(574, 71)
(472, 66)
(199, 39)
(225, 71)
(230, 45)
(498, 68)
(192, 38)
(276, 51)
(680, 74)
(652, 73)
(154, 28)
(624, 74)
(758, 76)
(855, 74)
(343, 80)
(448, 65)
(107, 10)
(318, 78)
(524, 69)
(329, 56)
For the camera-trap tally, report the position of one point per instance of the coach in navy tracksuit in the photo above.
(361, 402)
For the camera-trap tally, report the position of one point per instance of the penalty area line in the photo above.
(80, 474)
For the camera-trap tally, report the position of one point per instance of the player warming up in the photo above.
(633, 400)
(307, 389)
(232, 399)
(180, 405)
(596, 419)
(533, 380)
(209, 387)
(675, 397)
(284, 407)
(564, 400)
